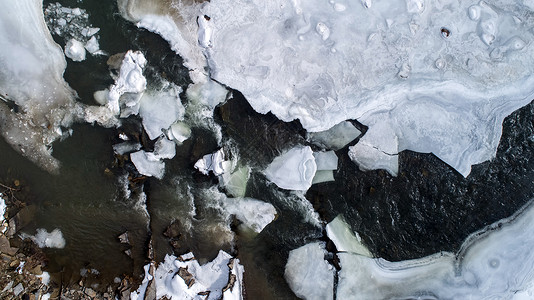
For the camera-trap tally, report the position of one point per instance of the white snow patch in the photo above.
(213, 277)
(44, 239)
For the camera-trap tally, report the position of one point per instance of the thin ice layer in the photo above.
(439, 76)
(31, 78)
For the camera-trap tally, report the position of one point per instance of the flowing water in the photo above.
(426, 209)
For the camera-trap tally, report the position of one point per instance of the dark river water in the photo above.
(426, 209)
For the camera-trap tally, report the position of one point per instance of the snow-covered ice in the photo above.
(494, 263)
(425, 76)
(160, 109)
(130, 80)
(182, 278)
(215, 162)
(179, 132)
(308, 274)
(148, 164)
(254, 214)
(75, 50)
(293, 170)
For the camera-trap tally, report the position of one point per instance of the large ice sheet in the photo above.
(438, 76)
(31, 77)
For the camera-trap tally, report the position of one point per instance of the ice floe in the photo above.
(160, 109)
(130, 80)
(254, 214)
(336, 137)
(180, 278)
(215, 162)
(424, 76)
(293, 170)
(308, 274)
(148, 164)
(75, 50)
(32, 82)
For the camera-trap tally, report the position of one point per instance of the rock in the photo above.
(90, 292)
(6, 248)
(123, 238)
(18, 289)
(37, 270)
(14, 263)
(173, 230)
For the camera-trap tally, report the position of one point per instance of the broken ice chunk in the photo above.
(235, 183)
(323, 176)
(336, 137)
(293, 170)
(308, 274)
(377, 149)
(130, 79)
(184, 278)
(161, 109)
(179, 132)
(254, 214)
(164, 149)
(126, 147)
(345, 240)
(148, 164)
(75, 50)
(214, 162)
(92, 45)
